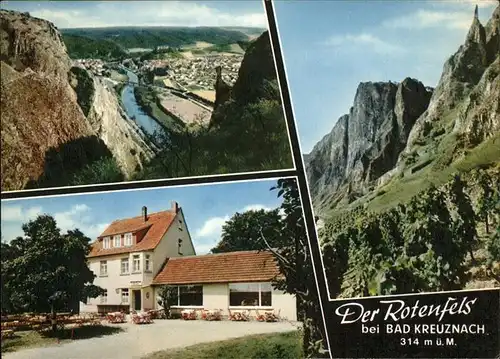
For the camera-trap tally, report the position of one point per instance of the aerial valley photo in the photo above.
(101, 92)
(398, 113)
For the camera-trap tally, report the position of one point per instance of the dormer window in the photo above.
(117, 241)
(128, 239)
(106, 243)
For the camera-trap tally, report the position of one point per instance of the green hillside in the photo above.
(150, 37)
(84, 47)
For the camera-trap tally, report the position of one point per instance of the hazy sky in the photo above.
(331, 46)
(66, 14)
(206, 208)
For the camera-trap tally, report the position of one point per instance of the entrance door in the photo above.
(137, 300)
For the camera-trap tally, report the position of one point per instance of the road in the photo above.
(140, 340)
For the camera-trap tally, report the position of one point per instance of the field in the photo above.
(209, 95)
(188, 111)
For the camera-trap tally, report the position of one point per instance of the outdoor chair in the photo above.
(272, 316)
(232, 316)
(135, 318)
(260, 317)
(242, 316)
(189, 315)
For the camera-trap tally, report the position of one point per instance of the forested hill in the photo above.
(150, 37)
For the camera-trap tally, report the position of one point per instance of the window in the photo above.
(250, 295)
(106, 243)
(117, 241)
(147, 263)
(128, 239)
(103, 269)
(125, 295)
(104, 296)
(179, 246)
(136, 263)
(188, 295)
(124, 266)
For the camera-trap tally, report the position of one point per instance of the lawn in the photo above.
(277, 346)
(32, 339)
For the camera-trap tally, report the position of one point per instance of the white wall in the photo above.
(168, 245)
(286, 303)
(114, 279)
(216, 296)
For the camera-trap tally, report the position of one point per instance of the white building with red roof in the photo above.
(134, 257)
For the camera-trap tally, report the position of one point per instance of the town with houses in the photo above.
(193, 73)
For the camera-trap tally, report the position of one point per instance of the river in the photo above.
(133, 109)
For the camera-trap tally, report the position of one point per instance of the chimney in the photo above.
(145, 213)
(175, 207)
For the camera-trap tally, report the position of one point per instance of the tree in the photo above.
(168, 297)
(465, 229)
(486, 201)
(294, 261)
(46, 270)
(243, 231)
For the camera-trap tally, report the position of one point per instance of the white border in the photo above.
(145, 188)
(330, 299)
(298, 186)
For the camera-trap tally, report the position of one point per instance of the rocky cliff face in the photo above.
(39, 109)
(253, 115)
(391, 127)
(47, 125)
(366, 143)
(120, 134)
(461, 73)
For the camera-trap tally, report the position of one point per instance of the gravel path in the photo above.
(139, 340)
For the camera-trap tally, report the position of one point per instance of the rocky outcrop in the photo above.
(120, 134)
(55, 118)
(252, 117)
(30, 43)
(479, 118)
(222, 89)
(461, 73)
(388, 124)
(366, 143)
(256, 80)
(38, 106)
(256, 72)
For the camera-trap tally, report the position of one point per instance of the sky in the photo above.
(206, 208)
(329, 47)
(71, 14)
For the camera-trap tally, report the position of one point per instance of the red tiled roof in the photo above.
(158, 223)
(245, 266)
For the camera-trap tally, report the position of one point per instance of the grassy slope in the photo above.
(275, 346)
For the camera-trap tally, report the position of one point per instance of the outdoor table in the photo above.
(115, 317)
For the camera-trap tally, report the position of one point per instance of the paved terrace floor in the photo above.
(139, 340)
